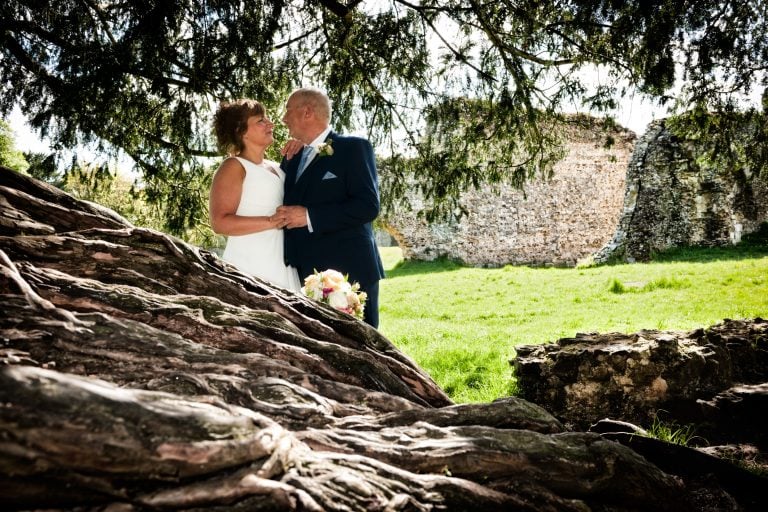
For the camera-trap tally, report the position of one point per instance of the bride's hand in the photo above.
(291, 147)
(277, 220)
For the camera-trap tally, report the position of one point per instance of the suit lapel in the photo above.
(290, 167)
(315, 158)
(311, 162)
(307, 168)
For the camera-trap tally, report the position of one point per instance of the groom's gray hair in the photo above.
(317, 99)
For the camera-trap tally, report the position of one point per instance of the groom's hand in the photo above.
(293, 216)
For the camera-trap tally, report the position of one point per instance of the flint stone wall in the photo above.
(671, 200)
(623, 203)
(556, 222)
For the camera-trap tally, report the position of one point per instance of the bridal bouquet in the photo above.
(333, 288)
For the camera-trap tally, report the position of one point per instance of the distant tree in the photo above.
(9, 155)
(44, 167)
(100, 184)
(142, 76)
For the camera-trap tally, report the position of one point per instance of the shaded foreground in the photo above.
(140, 373)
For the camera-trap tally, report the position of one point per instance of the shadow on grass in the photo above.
(708, 254)
(754, 245)
(413, 267)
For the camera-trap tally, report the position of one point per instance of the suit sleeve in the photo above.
(361, 204)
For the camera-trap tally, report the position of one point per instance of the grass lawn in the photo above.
(462, 324)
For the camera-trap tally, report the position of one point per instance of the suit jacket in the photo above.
(341, 194)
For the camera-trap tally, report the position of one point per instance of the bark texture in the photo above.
(140, 373)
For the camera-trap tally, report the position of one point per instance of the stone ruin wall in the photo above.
(673, 201)
(555, 222)
(619, 203)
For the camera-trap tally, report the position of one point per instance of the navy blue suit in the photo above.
(341, 194)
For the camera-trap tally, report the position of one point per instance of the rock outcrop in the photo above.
(631, 377)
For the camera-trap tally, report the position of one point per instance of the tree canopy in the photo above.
(455, 92)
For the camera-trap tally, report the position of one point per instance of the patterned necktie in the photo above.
(303, 161)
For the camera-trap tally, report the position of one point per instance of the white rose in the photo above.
(312, 281)
(333, 279)
(338, 300)
(313, 287)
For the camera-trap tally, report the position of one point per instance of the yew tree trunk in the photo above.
(141, 373)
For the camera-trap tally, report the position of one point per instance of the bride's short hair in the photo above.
(231, 122)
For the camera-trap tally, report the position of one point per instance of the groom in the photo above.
(331, 199)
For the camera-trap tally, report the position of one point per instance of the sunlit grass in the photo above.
(671, 432)
(462, 324)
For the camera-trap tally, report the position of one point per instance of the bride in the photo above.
(246, 190)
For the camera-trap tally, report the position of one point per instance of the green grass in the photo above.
(462, 324)
(672, 432)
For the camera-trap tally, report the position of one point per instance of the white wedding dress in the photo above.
(261, 254)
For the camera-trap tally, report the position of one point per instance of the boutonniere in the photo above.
(325, 148)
